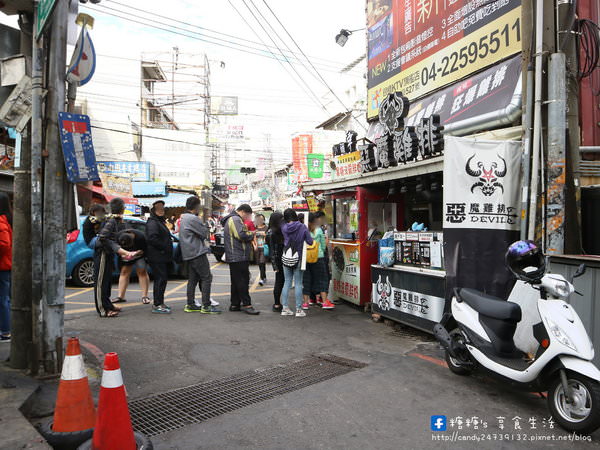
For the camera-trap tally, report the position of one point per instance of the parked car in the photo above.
(217, 244)
(80, 258)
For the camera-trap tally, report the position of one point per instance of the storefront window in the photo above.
(346, 218)
(382, 218)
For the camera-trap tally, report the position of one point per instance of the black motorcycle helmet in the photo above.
(526, 261)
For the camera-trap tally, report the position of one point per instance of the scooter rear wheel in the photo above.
(455, 365)
(581, 416)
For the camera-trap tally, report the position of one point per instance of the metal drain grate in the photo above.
(194, 404)
(413, 334)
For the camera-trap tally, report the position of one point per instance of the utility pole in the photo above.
(37, 272)
(55, 194)
(21, 281)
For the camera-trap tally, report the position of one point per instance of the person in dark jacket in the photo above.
(93, 224)
(193, 236)
(160, 254)
(295, 235)
(106, 248)
(275, 243)
(238, 250)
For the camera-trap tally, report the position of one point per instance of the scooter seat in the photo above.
(490, 306)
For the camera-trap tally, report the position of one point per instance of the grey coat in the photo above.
(192, 237)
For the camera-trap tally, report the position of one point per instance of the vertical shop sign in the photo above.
(482, 182)
(315, 163)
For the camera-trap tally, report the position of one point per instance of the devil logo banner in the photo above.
(482, 182)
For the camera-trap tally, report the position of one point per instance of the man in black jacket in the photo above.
(106, 248)
(159, 254)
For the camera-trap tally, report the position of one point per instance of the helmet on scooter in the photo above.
(526, 261)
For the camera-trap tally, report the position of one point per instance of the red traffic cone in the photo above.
(113, 424)
(74, 409)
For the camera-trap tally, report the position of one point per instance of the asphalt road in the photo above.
(386, 405)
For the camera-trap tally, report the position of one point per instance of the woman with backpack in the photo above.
(274, 241)
(295, 236)
(316, 277)
(5, 265)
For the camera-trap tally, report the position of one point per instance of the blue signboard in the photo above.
(132, 210)
(148, 189)
(77, 146)
(134, 170)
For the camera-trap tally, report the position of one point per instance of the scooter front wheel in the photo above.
(582, 414)
(455, 365)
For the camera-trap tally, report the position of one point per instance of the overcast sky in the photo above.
(270, 99)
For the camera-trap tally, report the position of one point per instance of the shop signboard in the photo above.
(302, 145)
(418, 46)
(482, 193)
(408, 297)
(315, 163)
(223, 105)
(132, 210)
(78, 147)
(116, 186)
(346, 271)
(134, 170)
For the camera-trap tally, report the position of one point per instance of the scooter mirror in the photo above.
(580, 271)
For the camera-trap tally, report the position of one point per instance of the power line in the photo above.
(195, 35)
(308, 59)
(280, 51)
(326, 61)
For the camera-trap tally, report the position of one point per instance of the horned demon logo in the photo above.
(488, 179)
(384, 294)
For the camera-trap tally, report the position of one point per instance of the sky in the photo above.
(274, 100)
(271, 101)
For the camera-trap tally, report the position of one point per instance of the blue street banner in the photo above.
(78, 148)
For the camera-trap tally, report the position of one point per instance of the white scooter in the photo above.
(479, 334)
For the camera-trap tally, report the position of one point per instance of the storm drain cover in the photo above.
(168, 411)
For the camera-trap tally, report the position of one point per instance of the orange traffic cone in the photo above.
(113, 423)
(74, 409)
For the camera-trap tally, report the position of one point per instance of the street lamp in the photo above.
(342, 37)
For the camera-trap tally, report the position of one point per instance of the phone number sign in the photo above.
(432, 43)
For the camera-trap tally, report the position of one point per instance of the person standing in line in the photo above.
(301, 218)
(274, 240)
(193, 236)
(159, 254)
(137, 243)
(238, 246)
(295, 235)
(106, 248)
(93, 224)
(261, 260)
(5, 265)
(316, 278)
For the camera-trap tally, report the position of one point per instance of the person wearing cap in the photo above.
(159, 254)
(193, 235)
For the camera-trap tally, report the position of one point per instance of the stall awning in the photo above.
(108, 197)
(148, 188)
(171, 201)
(412, 169)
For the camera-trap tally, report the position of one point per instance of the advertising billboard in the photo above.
(418, 46)
(220, 106)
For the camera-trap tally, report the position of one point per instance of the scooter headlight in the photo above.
(560, 335)
(562, 289)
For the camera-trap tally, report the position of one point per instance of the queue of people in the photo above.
(298, 254)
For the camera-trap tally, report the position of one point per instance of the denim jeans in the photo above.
(4, 301)
(296, 275)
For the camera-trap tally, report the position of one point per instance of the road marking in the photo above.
(98, 354)
(131, 305)
(216, 265)
(79, 303)
(255, 284)
(262, 290)
(75, 294)
(431, 359)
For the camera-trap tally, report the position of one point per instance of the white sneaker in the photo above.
(261, 283)
(213, 302)
(300, 313)
(287, 312)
